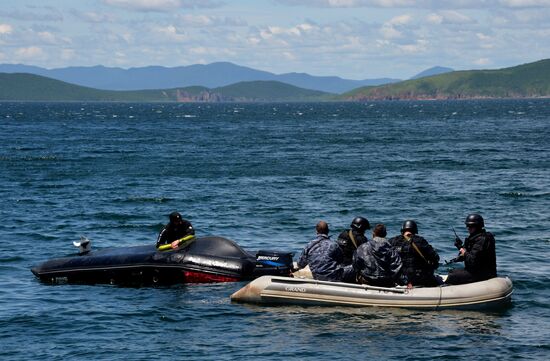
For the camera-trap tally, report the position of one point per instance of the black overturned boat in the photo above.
(205, 259)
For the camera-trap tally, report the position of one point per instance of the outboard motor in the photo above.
(84, 246)
(273, 263)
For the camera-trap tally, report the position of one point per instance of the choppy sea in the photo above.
(263, 175)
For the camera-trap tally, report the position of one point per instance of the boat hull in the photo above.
(206, 259)
(285, 290)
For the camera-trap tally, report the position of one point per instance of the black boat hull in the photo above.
(206, 259)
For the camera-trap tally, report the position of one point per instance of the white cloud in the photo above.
(93, 17)
(389, 32)
(482, 61)
(275, 37)
(483, 37)
(350, 3)
(199, 50)
(5, 29)
(206, 21)
(341, 3)
(419, 4)
(46, 37)
(197, 20)
(145, 5)
(288, 55)
(212, 51)
(390, 28)
(127, 36)
(419, 47)
(525, 3)
(400, 20)
(434, 18)
(161, 5)
(449, 17)
(29, 53)
(48, 14)
(252, 40)
(67, 54)
(170, 32)
(353, 43)
(297, 30)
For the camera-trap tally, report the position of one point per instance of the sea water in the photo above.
(263, 175)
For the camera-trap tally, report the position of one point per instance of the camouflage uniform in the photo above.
(325, 259)
(377, 263)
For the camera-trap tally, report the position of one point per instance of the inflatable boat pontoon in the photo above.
(206, 259)
(297, 291)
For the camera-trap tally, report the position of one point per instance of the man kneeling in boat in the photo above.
(478, 254)
(325, 258)
(175, 232)
(377, 263)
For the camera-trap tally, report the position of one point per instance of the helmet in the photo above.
(475, 220)
(360, 224)
(409, 225)
(175, 217)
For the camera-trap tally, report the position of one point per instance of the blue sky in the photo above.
(355, 39)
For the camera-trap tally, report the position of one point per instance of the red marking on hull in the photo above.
(198, 277)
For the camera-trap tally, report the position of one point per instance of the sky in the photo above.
(353, 39)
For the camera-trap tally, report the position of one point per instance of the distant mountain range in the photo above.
(522, 81)
(31, 87)
(211, 76)
(527, 80)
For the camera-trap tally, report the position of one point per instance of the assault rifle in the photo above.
(458, 245)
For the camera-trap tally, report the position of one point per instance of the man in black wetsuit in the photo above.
(353, 237)
(478, 254)
(174, 231)
(419, 259)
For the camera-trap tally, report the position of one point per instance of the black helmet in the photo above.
(475, 220)
(175, 217)
(409, 225)
(360, 224)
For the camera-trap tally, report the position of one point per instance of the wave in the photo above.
(12, 259)
(519, 194)
(47, 157)
(144, 200)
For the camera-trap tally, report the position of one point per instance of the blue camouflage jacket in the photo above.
(325, 259)
(378, 260)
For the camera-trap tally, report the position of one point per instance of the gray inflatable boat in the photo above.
(495, 292)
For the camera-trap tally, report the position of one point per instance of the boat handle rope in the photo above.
(168, 246)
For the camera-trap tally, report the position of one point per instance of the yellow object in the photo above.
(168, 246)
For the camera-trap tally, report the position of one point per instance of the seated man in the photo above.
(419, 259)
(353, 237)
(377, 263)
(325, 258)
(478, 254)
(174, 231)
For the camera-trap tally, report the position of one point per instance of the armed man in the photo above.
(477, 252)
(350, 239)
